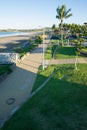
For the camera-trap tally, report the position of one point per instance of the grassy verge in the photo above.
(60, 105)
(84, 50)
(65, 52)
(23, 51)
(61, 53)
(27, 49)
(42, 76)
(49, 52)
(5, 69)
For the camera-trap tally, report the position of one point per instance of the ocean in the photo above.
(7, 34)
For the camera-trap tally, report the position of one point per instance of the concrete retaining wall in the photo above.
(8, 58)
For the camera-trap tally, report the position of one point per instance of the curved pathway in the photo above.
(18, 85)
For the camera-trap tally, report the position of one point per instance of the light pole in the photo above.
(43, 55)
(43, 48)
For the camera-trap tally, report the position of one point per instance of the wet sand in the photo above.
(7, 44)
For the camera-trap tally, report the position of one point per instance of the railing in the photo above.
(8, 58)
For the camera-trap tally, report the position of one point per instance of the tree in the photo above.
(38, 39)
(53, 27)
(62, 14)
(85, 23)
(80, 40)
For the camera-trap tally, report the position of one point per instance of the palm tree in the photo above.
(53, 27)
(62, 14)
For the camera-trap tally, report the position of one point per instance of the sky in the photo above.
(31, 14)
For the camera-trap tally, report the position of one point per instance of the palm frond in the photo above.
(63, 7)
(62, 13)
(68, 16)
(67, 11)
(58, 9)
(57, 17)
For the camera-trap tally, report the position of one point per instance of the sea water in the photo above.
(7, 34)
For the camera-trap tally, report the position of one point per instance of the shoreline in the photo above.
(12, 34)
(7, 44)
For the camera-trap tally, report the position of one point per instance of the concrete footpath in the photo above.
(16, 88)
(66, 61)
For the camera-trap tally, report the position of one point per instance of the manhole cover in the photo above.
(10, 101)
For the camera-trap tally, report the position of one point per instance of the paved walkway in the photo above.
(65, 61)
(18, 85)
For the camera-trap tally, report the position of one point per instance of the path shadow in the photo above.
(9, 46)
(60, 104)
(18, 86)
(29, 66)
(39, 50)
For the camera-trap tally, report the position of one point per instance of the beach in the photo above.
(7, 44)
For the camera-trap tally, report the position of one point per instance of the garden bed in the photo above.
(83, 52)
(6, 69)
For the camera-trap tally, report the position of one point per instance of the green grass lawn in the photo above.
(61, 53)
(60, 105)
(42, 76)
(84, 50)
(23, 51)
(5, 69)
(49, 51)
(65, 52)
(28, 49)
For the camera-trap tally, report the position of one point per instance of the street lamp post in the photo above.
(43, 49)
(43, 62)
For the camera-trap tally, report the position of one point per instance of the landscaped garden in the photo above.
(5, 69)
(65, 52)
(50, 51)
(61, 104)
(33, 42)
(84, 50)
(23, 51)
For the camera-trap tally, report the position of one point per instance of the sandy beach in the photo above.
(7, 44)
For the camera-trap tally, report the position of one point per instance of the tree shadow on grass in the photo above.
(60, 104)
